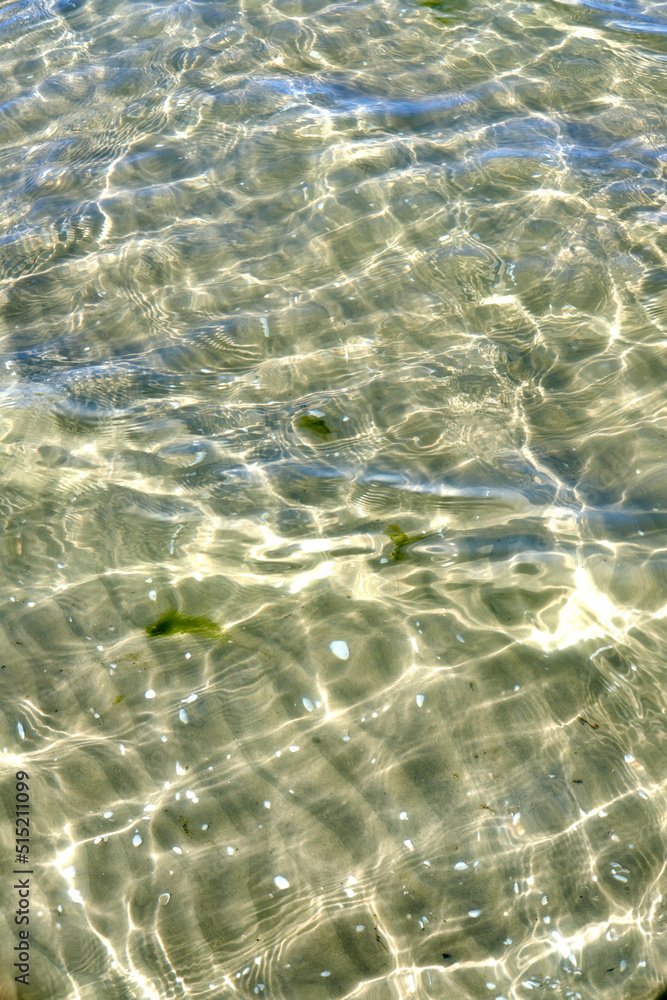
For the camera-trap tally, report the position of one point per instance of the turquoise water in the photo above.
(334, 498)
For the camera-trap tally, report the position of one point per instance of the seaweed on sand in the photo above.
(400, 540)
(316, 426)
(173, 622)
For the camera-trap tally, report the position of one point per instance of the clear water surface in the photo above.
(334, 497)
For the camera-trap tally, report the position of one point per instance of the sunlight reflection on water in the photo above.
(333, 496)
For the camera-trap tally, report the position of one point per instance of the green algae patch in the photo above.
(400, 540)
(185, 823)
(449, 12)
(172, 622)
(315, 425)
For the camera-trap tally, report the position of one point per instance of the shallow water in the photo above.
(334, 499)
